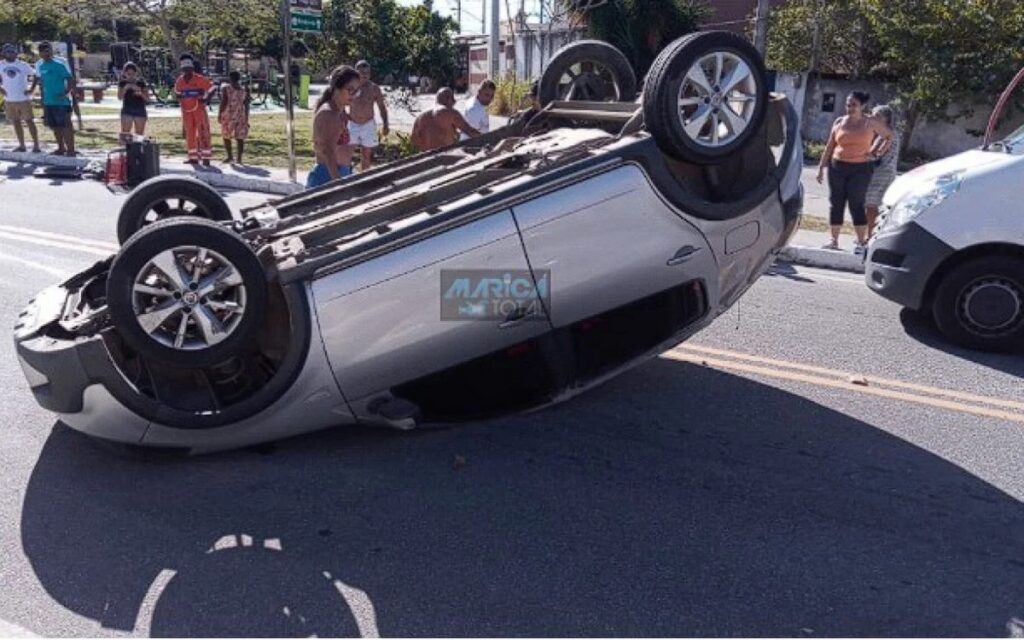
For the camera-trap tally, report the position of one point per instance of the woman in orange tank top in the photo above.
(856, 141)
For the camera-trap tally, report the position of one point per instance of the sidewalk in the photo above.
(221, 176)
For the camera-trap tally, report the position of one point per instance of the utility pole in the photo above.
(483, 16)
(289, 107)
(761, 27)
(458, 12)
(495, 28)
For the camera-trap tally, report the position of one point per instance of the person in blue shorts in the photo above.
(331, 141)
(57, 86)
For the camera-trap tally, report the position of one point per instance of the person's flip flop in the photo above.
(20, 149)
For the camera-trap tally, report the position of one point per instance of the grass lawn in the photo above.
(266, 147)
(267, 144)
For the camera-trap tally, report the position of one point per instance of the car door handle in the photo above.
(681, 256)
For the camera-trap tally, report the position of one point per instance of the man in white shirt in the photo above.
(476, 109)
(14, 86)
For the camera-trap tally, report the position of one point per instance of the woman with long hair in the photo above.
(856, 141)
(331, 142)
(885, 168)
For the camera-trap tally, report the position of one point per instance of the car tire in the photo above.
(165, 197)
(722, 79)
(166, 311)
(980, 304)
(615, 80)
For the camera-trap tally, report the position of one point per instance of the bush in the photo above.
(396, 146)
(510, 97)
(813, 150)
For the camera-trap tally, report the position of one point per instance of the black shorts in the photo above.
(57, 117)
(134, 113)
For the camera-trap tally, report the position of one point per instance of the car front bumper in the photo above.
(901, 262)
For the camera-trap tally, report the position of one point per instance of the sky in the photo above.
(472, 10)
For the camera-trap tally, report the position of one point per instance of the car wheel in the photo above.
(980, 304)
(187, 292)
(589, 70)
(165, 197)
(705, 96)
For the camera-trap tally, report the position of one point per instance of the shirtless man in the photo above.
(440, 126)
(362, 126)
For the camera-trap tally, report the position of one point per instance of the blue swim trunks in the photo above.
(319, 176)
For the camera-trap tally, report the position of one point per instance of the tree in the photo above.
(396, 40)
(431, 50)
(847, 44)
(642, 28)
(364, 29)
(945, 54)
(39, 20)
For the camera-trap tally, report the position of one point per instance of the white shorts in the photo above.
(363, 135)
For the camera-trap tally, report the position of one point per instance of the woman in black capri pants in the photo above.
(856, 141)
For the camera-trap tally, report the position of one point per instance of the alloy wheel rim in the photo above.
(188, 298)
(717, 99)
(169, 207)
(589, 80)
(991, 307)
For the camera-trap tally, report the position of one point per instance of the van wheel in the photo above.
(980, 305)
(187, 293)
(164, 197)
(590, 70)
(705, 96)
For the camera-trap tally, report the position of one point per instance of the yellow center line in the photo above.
(871, 380)
(938, 403)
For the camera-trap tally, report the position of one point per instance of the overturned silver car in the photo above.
(500, 274)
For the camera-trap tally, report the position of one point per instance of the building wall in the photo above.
(932, 138)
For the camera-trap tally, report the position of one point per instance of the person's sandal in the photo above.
(20, 149)
(832, 245)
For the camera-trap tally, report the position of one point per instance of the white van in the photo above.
(950, 242)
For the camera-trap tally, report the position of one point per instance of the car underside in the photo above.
(325, 307)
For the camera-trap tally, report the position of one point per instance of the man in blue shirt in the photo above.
(57, 86)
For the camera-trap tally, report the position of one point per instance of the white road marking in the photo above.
(10, 630)
(144, 621)
(60, 273)
(99, 244)
(362, 609)
(55, 244)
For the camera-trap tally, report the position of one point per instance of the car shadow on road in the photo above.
(676, 500)
(921, 328)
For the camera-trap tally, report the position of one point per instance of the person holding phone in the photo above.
(133, 92)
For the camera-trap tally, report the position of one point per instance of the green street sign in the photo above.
(308, 22)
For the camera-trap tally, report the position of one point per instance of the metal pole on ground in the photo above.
(288, 89)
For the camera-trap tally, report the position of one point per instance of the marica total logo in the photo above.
(494, 294)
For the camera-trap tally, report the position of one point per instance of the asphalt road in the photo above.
(739, 485)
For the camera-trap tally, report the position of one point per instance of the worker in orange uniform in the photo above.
(193, 90)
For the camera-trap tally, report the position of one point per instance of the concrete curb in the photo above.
(213, 178)
(823, 259)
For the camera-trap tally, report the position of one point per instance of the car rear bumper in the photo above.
(899, 264)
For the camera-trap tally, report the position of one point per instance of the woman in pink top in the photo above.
(856, 141)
